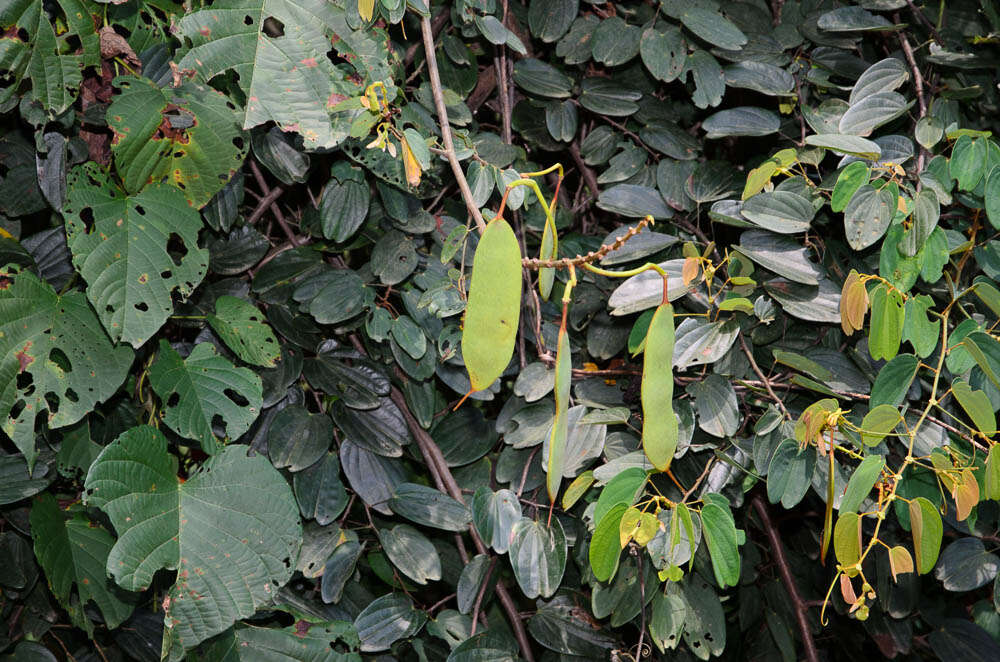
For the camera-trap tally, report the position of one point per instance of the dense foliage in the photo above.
(659, 330)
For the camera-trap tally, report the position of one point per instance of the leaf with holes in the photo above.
(134, 252)
(51, 56)
(240, 325)
(55, 359)
(231, 531)
(188, 135)
(74, 550)
(204, 386)
(278, 48)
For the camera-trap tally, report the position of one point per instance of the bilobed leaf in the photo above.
(709, 81)
(782, 255)
(549, 19)
(850, 145)
(662, 51)
(344, 372)
(541, 78)
(699, 342)
(851, 178)
(977, 405)
(784, 212)
(853, 19)
(58, 342)
(968, 162)
(238, 549)
(718, 409)
(240, 325)
(319, 490)
(925, 524)
(622, 489)
(900, 561)
(883, 76)
(743, 121)
(201, 387)
(188, 135)
(886, 323)
(297, 438)
(634, 201)
(966, 564)
(538, 556)
(789, 474)
(495, 514)
(847, 540)
(991, 196)
(491, 645)
(871, 112)
(120, 246)
(862, 481)
(305, 640)
(74, 551)
(615, 42)
(879, 422)
(867, 216)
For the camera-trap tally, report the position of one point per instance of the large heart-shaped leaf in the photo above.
(188, 134)
(134, 251)
(51, 344)
(202, 387)
(287, 78)
(231, 531)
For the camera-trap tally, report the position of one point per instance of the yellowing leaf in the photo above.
(410, 164)
(925, 524)
(689, 272)
(847, 542)
(577, 489)
(366, 9)
(900, 561)
(966, 494)
(629, 525)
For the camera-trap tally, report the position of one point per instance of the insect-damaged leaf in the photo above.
(50, 344)
(196, 390)
(189, 135)
(287, 78)
(241, 551)
(240, 325)
(133, 251)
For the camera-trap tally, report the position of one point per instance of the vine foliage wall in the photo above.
(499, 330)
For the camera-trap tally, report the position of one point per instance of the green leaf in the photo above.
(893, 381)
(495, 514)
(967, 164)
(718, 408)
(850, 179)
(189, 135)
(120, 245)
(664, 52)
(878, 423)
(74, 551)
(319, 490)
(634, 201)
(782, 255)
(713, 27)
(427, 506)
(304, 640)
(991, 488)
(742, 121)
(853, 19)
(977, 405)
(204, 385)
(884, 76)
(297, 439)
(615, 42)
(925, 524)
(411, 552)
(358, 381)
(760, 77)
(541, 78)
(886, 322)
(386, 620)
(872, 111)
(287, 79)
(51, 344)
(240, 325)
(52, 59)
(709, 81)
(991, 196)
(343, 208)
(807, 302)
(784, 212)
(231, 531)
(622, 489)
(723, 544)
(605, 547)
(849, 145)
(986, 353)
(862, 481)
(867, 216)
(550, 19)
(847, 540)
(538, 556)
(17, 483)
(789, 474)
(965, 565)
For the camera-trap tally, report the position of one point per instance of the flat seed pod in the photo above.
(494, 305)
(659, 424)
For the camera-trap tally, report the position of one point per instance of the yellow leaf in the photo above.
(5, 234)
(410, 164)
(966, 494)
(690, 270)
(366, 9)
(900, 561)
(629, 525)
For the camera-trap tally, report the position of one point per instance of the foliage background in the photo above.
(237, 258)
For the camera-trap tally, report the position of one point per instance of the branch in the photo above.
(589, 178)
(798, 605)
(442, 111)
(918, 85)
(592, 256)
(266, 190)
(442, 476)
(757, 370)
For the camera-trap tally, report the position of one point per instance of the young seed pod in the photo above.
(659, 424)
(557, 440)
(494, 305)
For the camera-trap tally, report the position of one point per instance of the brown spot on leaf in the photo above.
(143, 279)
(23, 358)
(335, 99)
(309, 62)
(302, 627)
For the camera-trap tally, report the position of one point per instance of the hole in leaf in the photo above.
(248, 20)
(87, 216)
(139, 210)
(16, 410)
(177, 248)
(52, 400)
(238, 142)
(72, 396)
(236, 397)
(173, 399)
(142, 307)
(273, 27)
(24, 380)
(166, 274)
(59, 357)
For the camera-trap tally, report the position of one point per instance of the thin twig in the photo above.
(759, 373)
(592, 256)
(589, 178)
(927, 23)
(266, 190)
(442, 111)
(436, 24)
(786, 577)
(918, 86)
(479, 595)
(264, 203)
